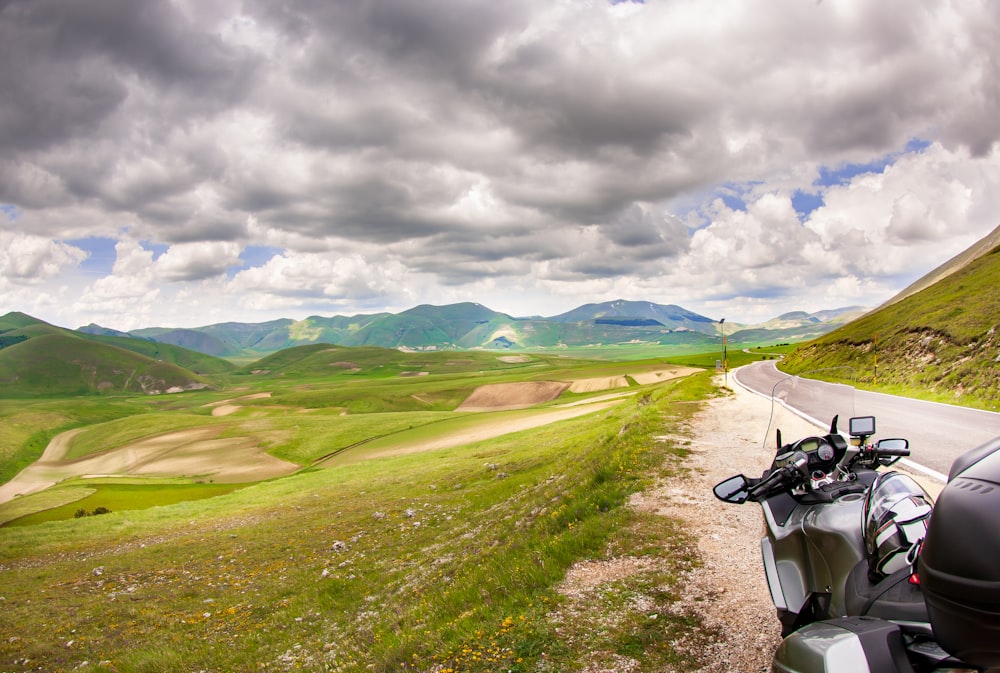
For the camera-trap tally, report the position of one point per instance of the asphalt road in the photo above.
(938, 433)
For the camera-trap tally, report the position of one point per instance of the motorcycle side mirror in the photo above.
(734, 490)
(889, 451)
(893, 447)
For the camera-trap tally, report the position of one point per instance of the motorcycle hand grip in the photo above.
(892, 452)
(778, 477)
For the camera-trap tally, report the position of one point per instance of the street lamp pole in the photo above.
(725, 356)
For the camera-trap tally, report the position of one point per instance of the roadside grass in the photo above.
(449, 560)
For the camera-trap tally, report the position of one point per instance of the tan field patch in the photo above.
(647, 378)
(497, 396)
(514, 359)
(596, 385)
(226, 407)
(198, 452)
(493, 429)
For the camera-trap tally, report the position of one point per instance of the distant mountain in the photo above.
(798, 325)
(621, 311)
(37, 358)
(473, 326)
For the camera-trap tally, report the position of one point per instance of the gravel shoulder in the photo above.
(728, 590)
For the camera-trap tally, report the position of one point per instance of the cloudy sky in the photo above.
(186, 162)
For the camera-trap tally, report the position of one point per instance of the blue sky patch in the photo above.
(156, 248)
(805, 203)
(101, 254)
(10, 210)
(844, 173)
(256, 255)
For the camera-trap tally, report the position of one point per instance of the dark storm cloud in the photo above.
(469, 141)
(67, 65)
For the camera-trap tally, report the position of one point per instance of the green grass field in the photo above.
(441, 560)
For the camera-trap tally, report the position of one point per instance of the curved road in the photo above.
(938, 433)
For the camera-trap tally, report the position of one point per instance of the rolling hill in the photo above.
(37, 358)
(473, 326)
(939, 336)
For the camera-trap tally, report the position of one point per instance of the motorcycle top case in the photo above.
(844, 645)
(959, 565)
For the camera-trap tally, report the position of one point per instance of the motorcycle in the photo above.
(865, 571)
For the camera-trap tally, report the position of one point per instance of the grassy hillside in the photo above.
(940, 342)
(39, 359)
(58, 364)
(446, 561)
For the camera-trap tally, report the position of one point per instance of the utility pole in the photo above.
(725, 356)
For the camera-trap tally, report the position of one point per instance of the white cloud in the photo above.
(195, 261)
(539, 153)
(28, 260)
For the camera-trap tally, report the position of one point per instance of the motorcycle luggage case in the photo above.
(844, 645)
(959, 565)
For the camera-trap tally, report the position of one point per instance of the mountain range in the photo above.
(471, 326)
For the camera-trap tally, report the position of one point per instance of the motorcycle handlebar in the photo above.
(892, 452)
(783, 477)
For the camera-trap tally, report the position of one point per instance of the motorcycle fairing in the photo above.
(809, 553)
(844, 645)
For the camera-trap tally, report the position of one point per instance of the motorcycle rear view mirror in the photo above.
(734, 490)
(891, 450)
(862, 426)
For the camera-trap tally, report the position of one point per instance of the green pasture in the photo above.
(111, 494)
(447, 560)
(305, 438)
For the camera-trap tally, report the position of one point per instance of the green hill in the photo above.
(940, 341)
(39, 359)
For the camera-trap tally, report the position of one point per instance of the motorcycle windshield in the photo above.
(806, 404)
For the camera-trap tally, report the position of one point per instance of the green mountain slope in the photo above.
(39, 359)
(939, 341)
(469, 325)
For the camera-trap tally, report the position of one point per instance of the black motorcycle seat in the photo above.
(893, 598)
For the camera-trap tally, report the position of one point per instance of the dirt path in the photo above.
(729, 589)
(42, 473)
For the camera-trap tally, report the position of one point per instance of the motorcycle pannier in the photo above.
(959, 565)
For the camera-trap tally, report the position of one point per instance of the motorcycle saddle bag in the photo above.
(959, 564)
